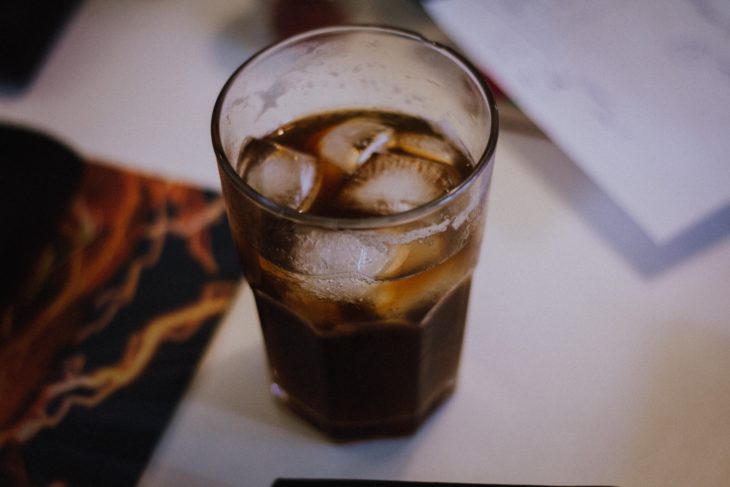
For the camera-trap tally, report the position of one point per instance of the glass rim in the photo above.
(369, 222)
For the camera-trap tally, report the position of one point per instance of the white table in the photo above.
(591, 355)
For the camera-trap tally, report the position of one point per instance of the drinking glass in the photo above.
(362, 318)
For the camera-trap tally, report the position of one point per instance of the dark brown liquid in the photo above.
(368, 366)
(379, 378)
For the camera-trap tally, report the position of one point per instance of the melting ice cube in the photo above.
(341, 265)
(426, 146)
(351, 143)
(392, 183)
(402, 297)
(283, 175)
(335, 253)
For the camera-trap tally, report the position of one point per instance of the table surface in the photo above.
(591, 355)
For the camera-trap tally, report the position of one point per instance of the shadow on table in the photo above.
(241, 388)
(611, 222)
(261, 23)
(242, 35)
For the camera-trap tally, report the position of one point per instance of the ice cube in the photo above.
(334, 253)
(393, 183)
(283, 175)
(427, 146)
(351, 143)
(341, 265)
(419, 255)
(316, 307)
(403, 297)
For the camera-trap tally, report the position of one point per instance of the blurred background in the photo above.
(598, 342)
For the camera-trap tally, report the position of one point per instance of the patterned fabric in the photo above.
(107, 324)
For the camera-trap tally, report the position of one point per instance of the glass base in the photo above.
(378, 379)
(357, 430)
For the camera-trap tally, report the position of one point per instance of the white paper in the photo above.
(637, 93)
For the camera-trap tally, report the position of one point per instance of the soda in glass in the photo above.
(355, 163)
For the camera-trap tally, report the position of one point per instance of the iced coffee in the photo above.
(358, 230)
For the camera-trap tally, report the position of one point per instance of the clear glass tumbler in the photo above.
(357, 344)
